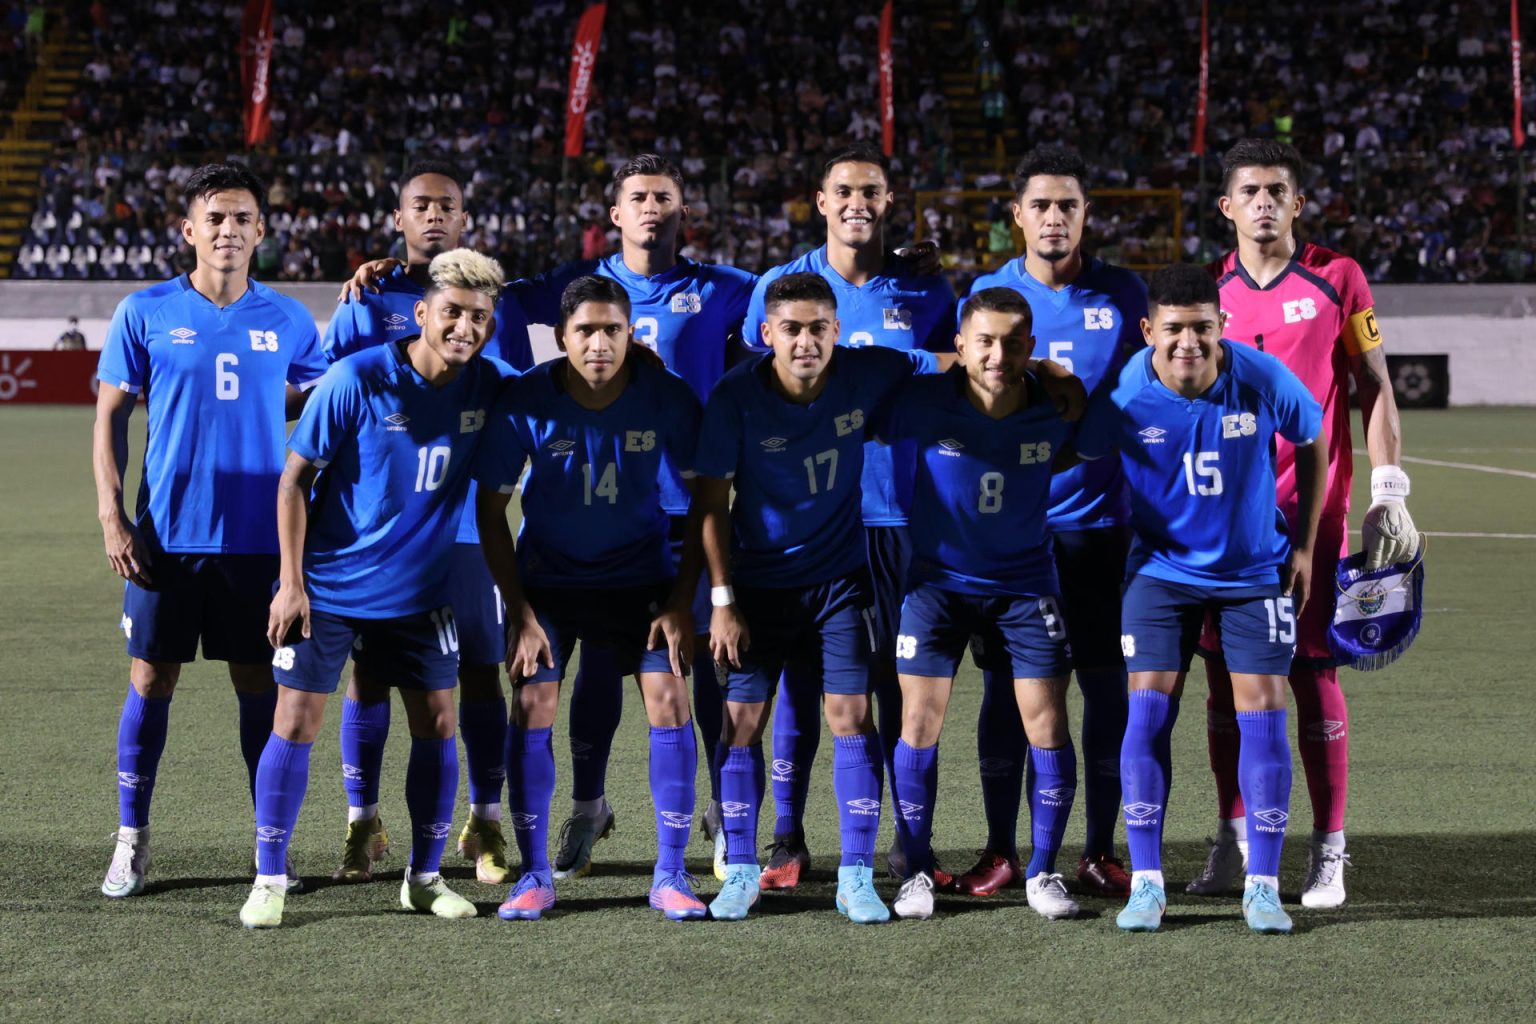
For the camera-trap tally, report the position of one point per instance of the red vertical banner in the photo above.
(887, 84)
(589, 34)
(1197, 145)
(1514, 60)
(256, 70)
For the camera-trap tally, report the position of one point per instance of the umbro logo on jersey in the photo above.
(950, 446)
(773, 444)
(1141, 813)
(561, 447)
(396, 421)
(183, 336)
(688, 302)
(396, 322)
(864, 805)
(677, 819)
(1273, 819)
(897, 319)
(1151, 435)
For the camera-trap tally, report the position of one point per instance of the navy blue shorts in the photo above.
(701, 607)
(413, 652)
(221, 599)
(477, 608)
(936, 625)
(890, 556)
(824, 630)
(618, 619)
(1161, 623)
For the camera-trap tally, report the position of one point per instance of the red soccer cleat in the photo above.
(1104, 875)
(788, 862)
(991, 872)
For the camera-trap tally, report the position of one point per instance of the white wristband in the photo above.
(721, 597)
(1388, 483)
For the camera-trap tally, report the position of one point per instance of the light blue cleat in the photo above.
(1261, 906)
(857, 899)
(738, 894)
(1144, 910)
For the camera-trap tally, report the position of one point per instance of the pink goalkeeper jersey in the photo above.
(1312, 317)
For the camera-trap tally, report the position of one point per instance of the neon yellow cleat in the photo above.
(263, 907)
(482, 842)
(366, 843)
(433, 896)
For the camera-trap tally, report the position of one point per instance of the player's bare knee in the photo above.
(537, 704)
(1043, 709)
(299, 715)
(154, 679)
(849, 714)
(666, 699)
(1258, 692)
(744, 723)
(431, 714)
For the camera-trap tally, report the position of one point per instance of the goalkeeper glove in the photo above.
(1388, 535)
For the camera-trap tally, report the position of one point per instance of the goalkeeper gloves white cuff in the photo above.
(1388, 534)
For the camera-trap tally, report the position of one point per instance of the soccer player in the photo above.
(787, 429)
(878, 303)
(1312, 309)
(1193, 417)
(1087, 316)
(368, 507)
(977, 446)
(218, 358)
(593, 564)
(431, 216)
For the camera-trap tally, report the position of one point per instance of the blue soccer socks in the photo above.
(140, 741)
(856, 781)
(483, 729)
(282, 776)
(674, 761)
(431, 786)
(597, 705)
(255, 726)
(917, 785)
(364, 731)
(796, 737)
(1145, 775)
(1052, 786)
(1264, 777)
(741, 794)
(1001, 748)
(530, 788)
(1104, 714)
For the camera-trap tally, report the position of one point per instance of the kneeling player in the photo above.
(1193, 418)
(593, 565)
(983, 442)
(386, 447)
(788, 429)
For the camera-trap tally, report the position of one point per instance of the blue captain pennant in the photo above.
(1377, 612)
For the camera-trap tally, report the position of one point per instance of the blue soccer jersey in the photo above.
(214, 380)
(1201, 471)
(796, 467)
(592, 512)
(390, 315)
(979, 487)
(395, 455)
(897, 311)
(1091, 327)
(685, 314)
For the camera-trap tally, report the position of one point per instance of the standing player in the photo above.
(980, 443)
(787, 430)
(1193, 418)
(1087, 315)
(877, 304)
(211, 352)
(370, 499)
(593, 565)
(1312, 309)
(431, 216)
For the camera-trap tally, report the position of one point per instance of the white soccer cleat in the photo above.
(1324, 887)
(129, 869)
(1224, 868)
(1047, 895)
(914, 900)
(432, 896)
(263, 907)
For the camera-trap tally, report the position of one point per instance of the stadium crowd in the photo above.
(1411, 167)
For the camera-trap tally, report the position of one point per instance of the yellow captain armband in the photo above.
(1361, 333)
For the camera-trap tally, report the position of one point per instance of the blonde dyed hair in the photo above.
(467, 269)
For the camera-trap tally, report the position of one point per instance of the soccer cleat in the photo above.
(533, 894)
(1104, 875)
(1261, 908)
(857, 899)
(672, 894)
(1047, 895)
(1324, 887)
(992, 872)
(263, 907)
(433, 896)
(788, 861)
(709, 821)
(914, 900)
(896, 867)
(482, 842)
(366, 842)
(129, 869)
(1144, 910)
(573, 859)
(1226, 864)
(720, 851)
(738, 893)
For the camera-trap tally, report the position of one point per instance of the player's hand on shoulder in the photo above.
(728, 635)
(1296, 578)
(369, 277)
(527, 644)
(673, 625)
(126, 551)
(290, 605)
(1066, 391)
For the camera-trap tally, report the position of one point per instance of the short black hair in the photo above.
(1055, 161)
(650, 165)
(424, 167)
(996, 300)
(211, 178)
(592, 289)
(1260, 153)
(1183, 284)
(858, 153)
(805, 287)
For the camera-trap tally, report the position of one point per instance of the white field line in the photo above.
(1474, 466)
(1475, 536)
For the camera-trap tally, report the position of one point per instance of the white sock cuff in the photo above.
(365, 813)
(281, 881)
